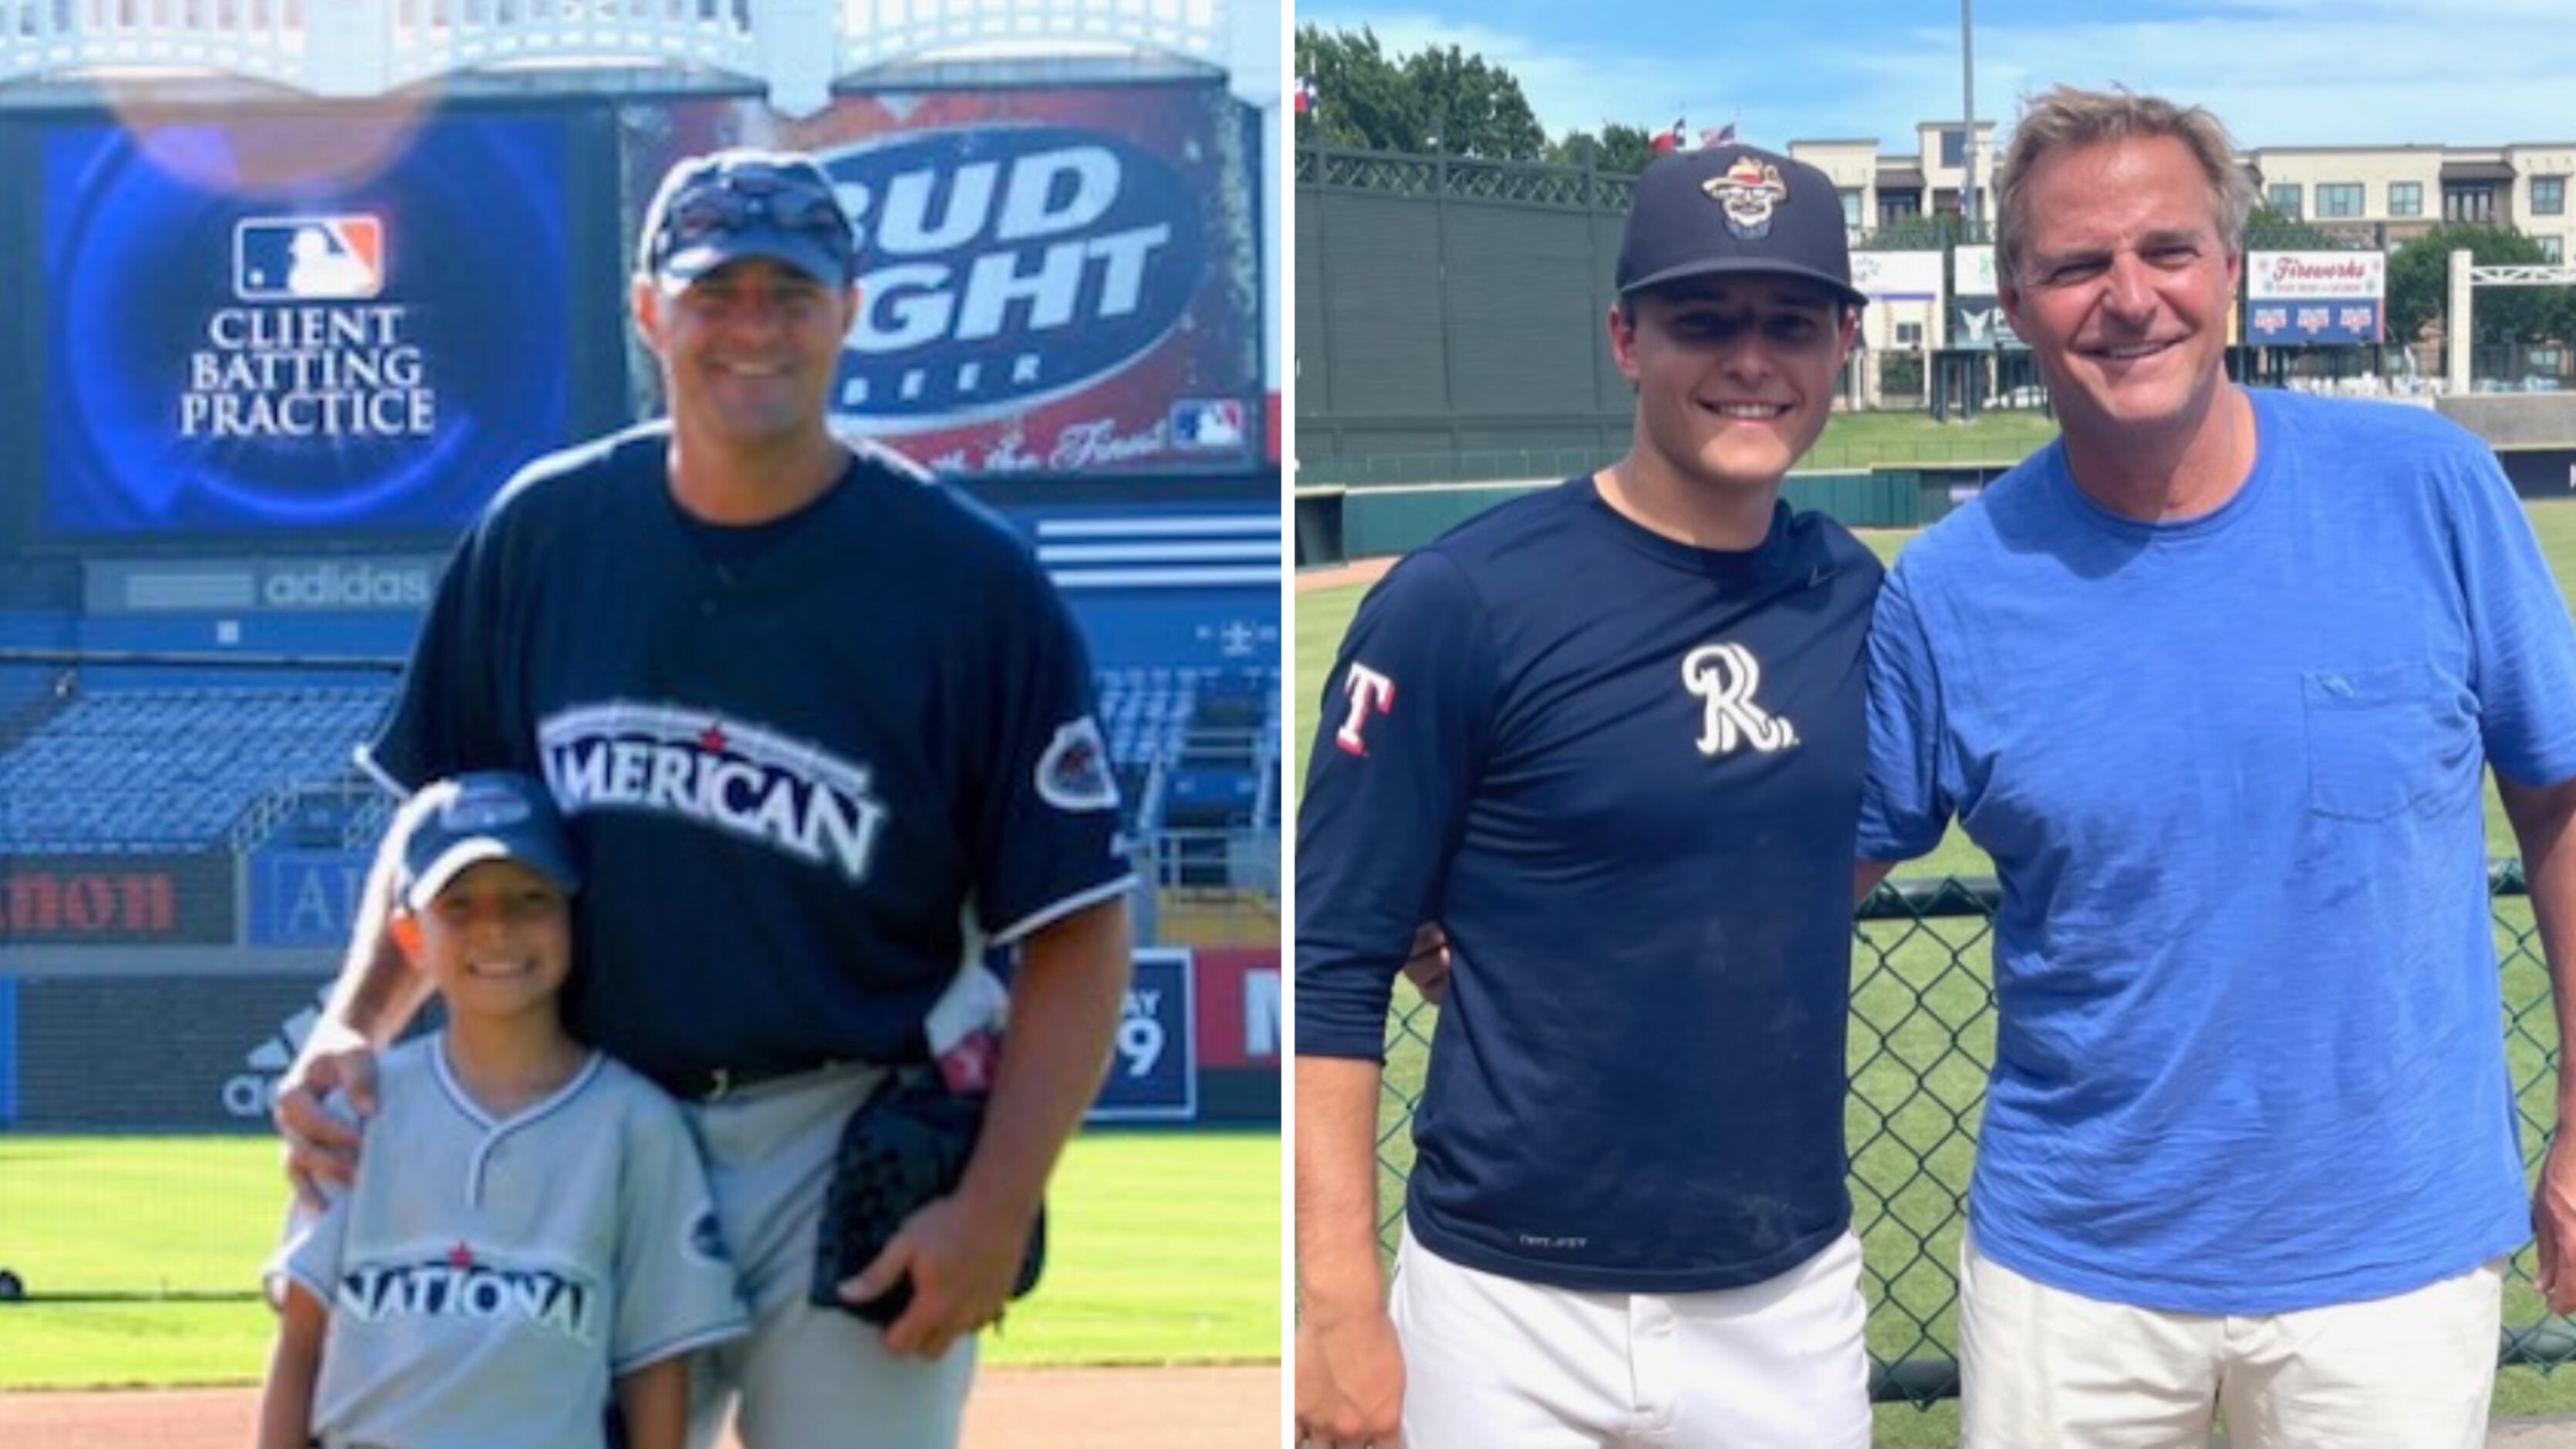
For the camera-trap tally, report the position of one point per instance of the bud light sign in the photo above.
(1007, 265)
(1063, 280)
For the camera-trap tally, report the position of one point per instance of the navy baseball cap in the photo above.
(494, 815)
(729, 205)
(1728, 209)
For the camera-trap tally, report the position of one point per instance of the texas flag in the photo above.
(1666, 142)
(1305, 95)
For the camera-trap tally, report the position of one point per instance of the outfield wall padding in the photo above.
(1381, 521)
(160, 1052)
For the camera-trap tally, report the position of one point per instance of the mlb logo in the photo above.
(308, 258)
(1208, 424)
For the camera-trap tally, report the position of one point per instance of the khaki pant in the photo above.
(806, 1378)
(2044, 1368)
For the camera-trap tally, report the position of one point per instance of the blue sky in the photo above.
(2278, 72)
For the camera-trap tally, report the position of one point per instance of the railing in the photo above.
(875, 32)
(796, 48)
(1530, 183)
(1922, 1042)
(435, 37)
(260, 39)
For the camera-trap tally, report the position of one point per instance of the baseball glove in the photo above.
(904, 1146)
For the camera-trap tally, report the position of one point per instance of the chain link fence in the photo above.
(1922, 1042)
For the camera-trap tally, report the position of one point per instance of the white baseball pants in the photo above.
(1490, 1360)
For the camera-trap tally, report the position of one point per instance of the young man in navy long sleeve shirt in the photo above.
(1612, 738)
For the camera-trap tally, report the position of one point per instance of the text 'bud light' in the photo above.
(1007, 264)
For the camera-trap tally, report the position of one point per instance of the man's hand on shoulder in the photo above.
(1350, 1380)
(321, 1144)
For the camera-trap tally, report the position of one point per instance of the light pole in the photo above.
(1968, 103)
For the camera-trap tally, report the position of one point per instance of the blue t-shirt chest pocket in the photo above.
(2383, 739)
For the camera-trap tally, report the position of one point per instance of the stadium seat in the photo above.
(177, 767)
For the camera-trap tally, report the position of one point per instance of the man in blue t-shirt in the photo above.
(1611, 736)
(2214, 679)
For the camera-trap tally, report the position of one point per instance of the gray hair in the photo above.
(2067, 117)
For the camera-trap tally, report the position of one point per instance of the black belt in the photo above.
(715, 1084)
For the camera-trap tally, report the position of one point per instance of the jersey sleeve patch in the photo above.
(1370, 693)
(1073, 774)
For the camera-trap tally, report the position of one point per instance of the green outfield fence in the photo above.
(1922, 1040)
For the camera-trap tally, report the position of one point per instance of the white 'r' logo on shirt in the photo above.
(1724, 676)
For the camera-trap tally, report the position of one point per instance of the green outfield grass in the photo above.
(1862, 440)
(1922, 1039)
(1163, 1248)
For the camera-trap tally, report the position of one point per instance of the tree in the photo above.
(1362, 98)
(1475, 109)
(1440, 98)
(1624, 150)
(2419, 285)
(2269, 230)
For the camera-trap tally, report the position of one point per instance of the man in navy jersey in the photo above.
(1611, 736)
(822, 732)
(2214, 679)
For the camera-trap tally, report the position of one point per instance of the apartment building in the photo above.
(2397, 192)
(2405, 191)
(1889, 190)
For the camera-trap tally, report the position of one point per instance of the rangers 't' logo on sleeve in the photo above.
(1369, 692)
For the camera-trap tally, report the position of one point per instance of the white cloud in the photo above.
(2278, 72)
(2342, 76)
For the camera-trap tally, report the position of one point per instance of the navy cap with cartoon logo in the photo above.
(1726, 209)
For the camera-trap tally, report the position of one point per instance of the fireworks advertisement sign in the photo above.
(2298, 299)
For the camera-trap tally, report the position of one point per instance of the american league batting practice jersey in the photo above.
(487, 1279)
(1623, 773)
(806, 784)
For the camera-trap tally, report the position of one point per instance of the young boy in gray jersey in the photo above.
(542, 1224)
